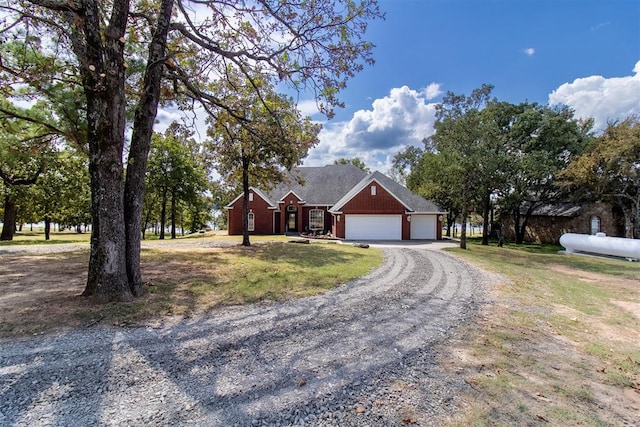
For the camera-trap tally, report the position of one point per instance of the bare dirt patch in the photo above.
(620, 283)
(41, 292)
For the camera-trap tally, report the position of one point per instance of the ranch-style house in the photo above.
(342, 201)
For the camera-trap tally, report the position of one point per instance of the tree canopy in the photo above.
(271, 138)
(177, 178)
(129, 57)
(610, 170)
(487, 155)
(355, 161)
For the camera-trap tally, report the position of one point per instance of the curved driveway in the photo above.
(361, 354)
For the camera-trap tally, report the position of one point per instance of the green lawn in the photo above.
(37, 237)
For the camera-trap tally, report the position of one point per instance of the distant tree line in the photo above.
(501, 160)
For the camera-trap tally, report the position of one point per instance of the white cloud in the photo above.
(529, 51)
(308, 108)
(404, 117)
(432, 91)
(604, 99)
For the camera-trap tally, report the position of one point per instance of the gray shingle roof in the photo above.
(334, 185)
(323, 185)
(415, 202)
(559, 209)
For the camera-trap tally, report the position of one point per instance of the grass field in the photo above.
(37, 236)
(558, 343)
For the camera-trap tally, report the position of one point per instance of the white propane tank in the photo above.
(601, 244)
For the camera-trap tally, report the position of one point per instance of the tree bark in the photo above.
(173, 214)
(637, 217)
(9, 219)
(163, 213)
(486, 211)
(463, 229)
(103, 72)
(628, 223)
(521, 227)
(47, 228)
(463, 214)
(144, 119)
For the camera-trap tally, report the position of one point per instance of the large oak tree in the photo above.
(610, 170)
(314, 46)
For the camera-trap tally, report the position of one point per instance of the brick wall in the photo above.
(547, 229)
(263, 216)
(382, 203)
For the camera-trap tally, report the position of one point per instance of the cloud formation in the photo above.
(404, 117)
(529, 51)
(604, 99)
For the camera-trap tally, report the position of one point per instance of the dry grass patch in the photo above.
(39, 293)
(559, 342)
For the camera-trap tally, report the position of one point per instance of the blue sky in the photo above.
(585, 54)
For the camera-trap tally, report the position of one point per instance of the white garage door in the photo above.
(373, 227)
(423, 226)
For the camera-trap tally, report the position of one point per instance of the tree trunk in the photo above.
(163, 214)
(628, 222)
(173, 214)
(486, 211)
(463, 229)
(9, 219)
(245, 202)
(637, 218)
(451, 220)
(47, 228)
(140, 142)
(521, 226)
(463, 214)
(103, 69)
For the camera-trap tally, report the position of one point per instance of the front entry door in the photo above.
(292, 221)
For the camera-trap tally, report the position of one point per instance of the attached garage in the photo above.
(373, 227)
(423, 227)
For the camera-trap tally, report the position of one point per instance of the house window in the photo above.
(251, 221)
(292, 208)
(316, 219)
(595, 225)
(251, 197)
(373, 190)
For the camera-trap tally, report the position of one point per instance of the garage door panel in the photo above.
(423, 227)
(373, 227)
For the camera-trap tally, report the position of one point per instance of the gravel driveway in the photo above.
(361, 354)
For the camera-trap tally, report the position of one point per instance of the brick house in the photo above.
(548, 222)
(342, 200)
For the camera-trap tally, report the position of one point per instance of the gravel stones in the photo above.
(361, 354)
